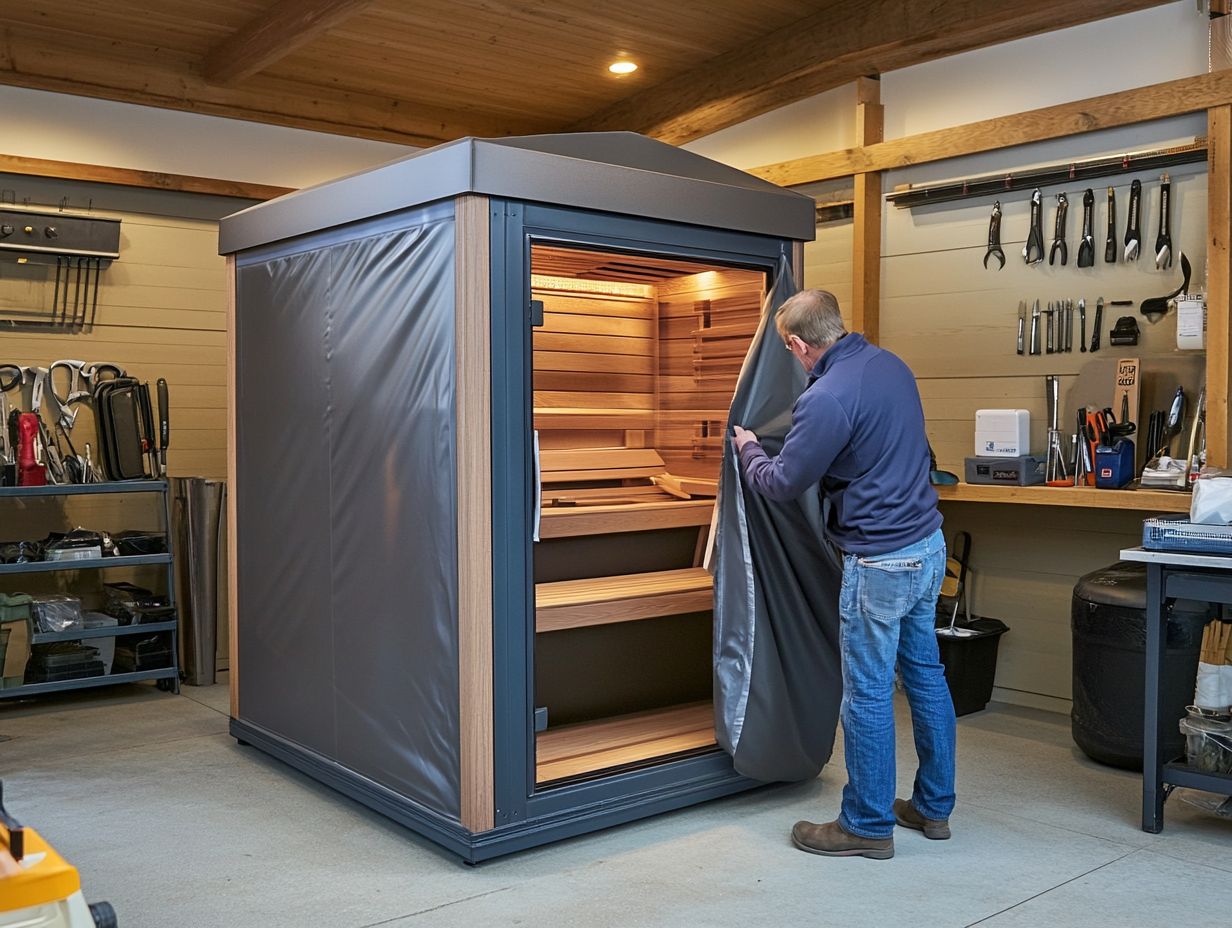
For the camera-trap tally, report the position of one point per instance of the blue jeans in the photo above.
(888, 612)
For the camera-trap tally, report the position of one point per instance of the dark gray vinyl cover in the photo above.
(613, 172)
(347, 537)
(778, 681)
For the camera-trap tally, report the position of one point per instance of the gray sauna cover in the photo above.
(776, 661)
(348, 542)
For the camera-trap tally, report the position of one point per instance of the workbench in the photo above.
(1172, 575)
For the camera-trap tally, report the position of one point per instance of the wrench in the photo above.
(1019, 343)
(1133, 228)
(1082, 325)
(1058, 232)
(1095, 325)
(1086, 248)
(994, 237)
(1051, 346)
(1110, 246)
(1163, 241)
(1035, 238)
(1034, 347)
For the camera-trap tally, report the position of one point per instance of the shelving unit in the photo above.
(167, 677)
(1083, 497)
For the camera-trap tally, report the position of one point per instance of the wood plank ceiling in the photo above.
(433, 70)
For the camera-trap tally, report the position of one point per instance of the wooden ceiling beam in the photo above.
(57, 60)
(1124, 108)
(284, 27)
(851, 39)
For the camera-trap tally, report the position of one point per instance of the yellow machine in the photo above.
(38, 888)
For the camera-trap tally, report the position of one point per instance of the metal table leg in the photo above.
(1153, 794)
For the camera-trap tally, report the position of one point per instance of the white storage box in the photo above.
(1002, 433)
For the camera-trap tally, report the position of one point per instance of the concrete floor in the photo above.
(171, 821)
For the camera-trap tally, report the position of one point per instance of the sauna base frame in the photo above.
(613, 800)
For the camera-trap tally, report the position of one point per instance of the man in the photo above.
(858, 430)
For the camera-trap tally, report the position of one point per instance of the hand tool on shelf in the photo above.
(994, 238)
(1035, 328)
(1110, 244)
(1158, 305)
(30, 473)
(1050, 343)
(1033, 250)
(1019, 344)
(1054, 472)
(1199, 425)
(164, 426)
(1084, 467)
(1058, 232)
(1097, 323)
(1163, 240)
(1082, 325)
(1133, 226)
(1172, 426)
(1086, 246)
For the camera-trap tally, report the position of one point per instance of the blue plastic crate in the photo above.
(1177, 533)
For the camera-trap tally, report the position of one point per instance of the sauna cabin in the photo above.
(480, 402)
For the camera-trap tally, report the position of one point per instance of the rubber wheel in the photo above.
(103, 914)
(167, 686)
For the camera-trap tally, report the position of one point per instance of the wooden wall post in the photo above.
(866, 216)
(1219, 283)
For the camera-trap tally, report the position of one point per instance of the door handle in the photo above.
(538, 487)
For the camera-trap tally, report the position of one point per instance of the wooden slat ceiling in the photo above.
(433, 70)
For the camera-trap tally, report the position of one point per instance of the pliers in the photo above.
(1058, 233)
(994, 238)
(1033, 251)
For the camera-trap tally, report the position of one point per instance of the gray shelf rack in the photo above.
(168, 678)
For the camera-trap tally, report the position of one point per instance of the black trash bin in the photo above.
(1108, 618)
(970, 660)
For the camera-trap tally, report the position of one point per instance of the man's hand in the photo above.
(742, 438)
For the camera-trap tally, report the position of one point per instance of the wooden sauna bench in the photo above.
(596, 491)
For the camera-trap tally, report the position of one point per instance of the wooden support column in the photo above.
(866, 216)
(1219, 283)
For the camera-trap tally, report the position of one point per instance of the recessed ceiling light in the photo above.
(624, 66)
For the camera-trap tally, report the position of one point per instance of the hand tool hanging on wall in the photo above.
(1019, 343)
(1050, 344)
(1058, 232)
(994, 238)
(1158, 305)
(1033, 251)
(1110, 244)
(1069, 326)
(1125, 332)
(1054, 471)
(1163, 241)
(1133, 226)
(1035, 328)
(1082, 325)
(1097, 323)
(1086, 247)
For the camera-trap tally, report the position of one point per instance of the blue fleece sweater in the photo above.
(858, 430)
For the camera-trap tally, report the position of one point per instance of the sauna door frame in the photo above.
(514, 227)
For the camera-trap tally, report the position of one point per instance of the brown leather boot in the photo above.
(907, 816)
(833, 840)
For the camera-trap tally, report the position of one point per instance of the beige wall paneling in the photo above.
(474, 367)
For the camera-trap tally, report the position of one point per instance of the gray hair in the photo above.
(813, 317)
